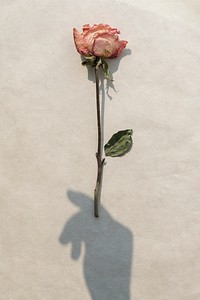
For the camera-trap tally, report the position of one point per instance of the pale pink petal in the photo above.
(79, 43)
(120, 47)
(104, 45)
(108, 45)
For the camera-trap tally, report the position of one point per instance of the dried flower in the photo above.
(99, 40)
(97, 43)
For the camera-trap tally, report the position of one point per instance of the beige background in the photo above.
(147, 237)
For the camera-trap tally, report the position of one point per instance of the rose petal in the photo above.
(107, 45)
(121, 46)
(79, 43)
(104, 45)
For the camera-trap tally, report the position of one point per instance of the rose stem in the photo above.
(100, 161)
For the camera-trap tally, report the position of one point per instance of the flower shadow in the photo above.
(108, 249)
(114, 66)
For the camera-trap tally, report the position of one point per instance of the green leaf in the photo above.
(106, 69)
(119, 144)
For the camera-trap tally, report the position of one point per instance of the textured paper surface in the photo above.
(145, 245)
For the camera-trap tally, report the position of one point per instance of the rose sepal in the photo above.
(95, 61)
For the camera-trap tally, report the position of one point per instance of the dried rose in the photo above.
(99, 40)
(96, 44)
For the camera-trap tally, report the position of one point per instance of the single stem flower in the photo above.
(97, 43)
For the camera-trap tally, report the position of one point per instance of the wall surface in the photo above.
(145, 245)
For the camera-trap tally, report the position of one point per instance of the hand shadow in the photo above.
(108, 250)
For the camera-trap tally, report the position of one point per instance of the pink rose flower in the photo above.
(99, 40)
